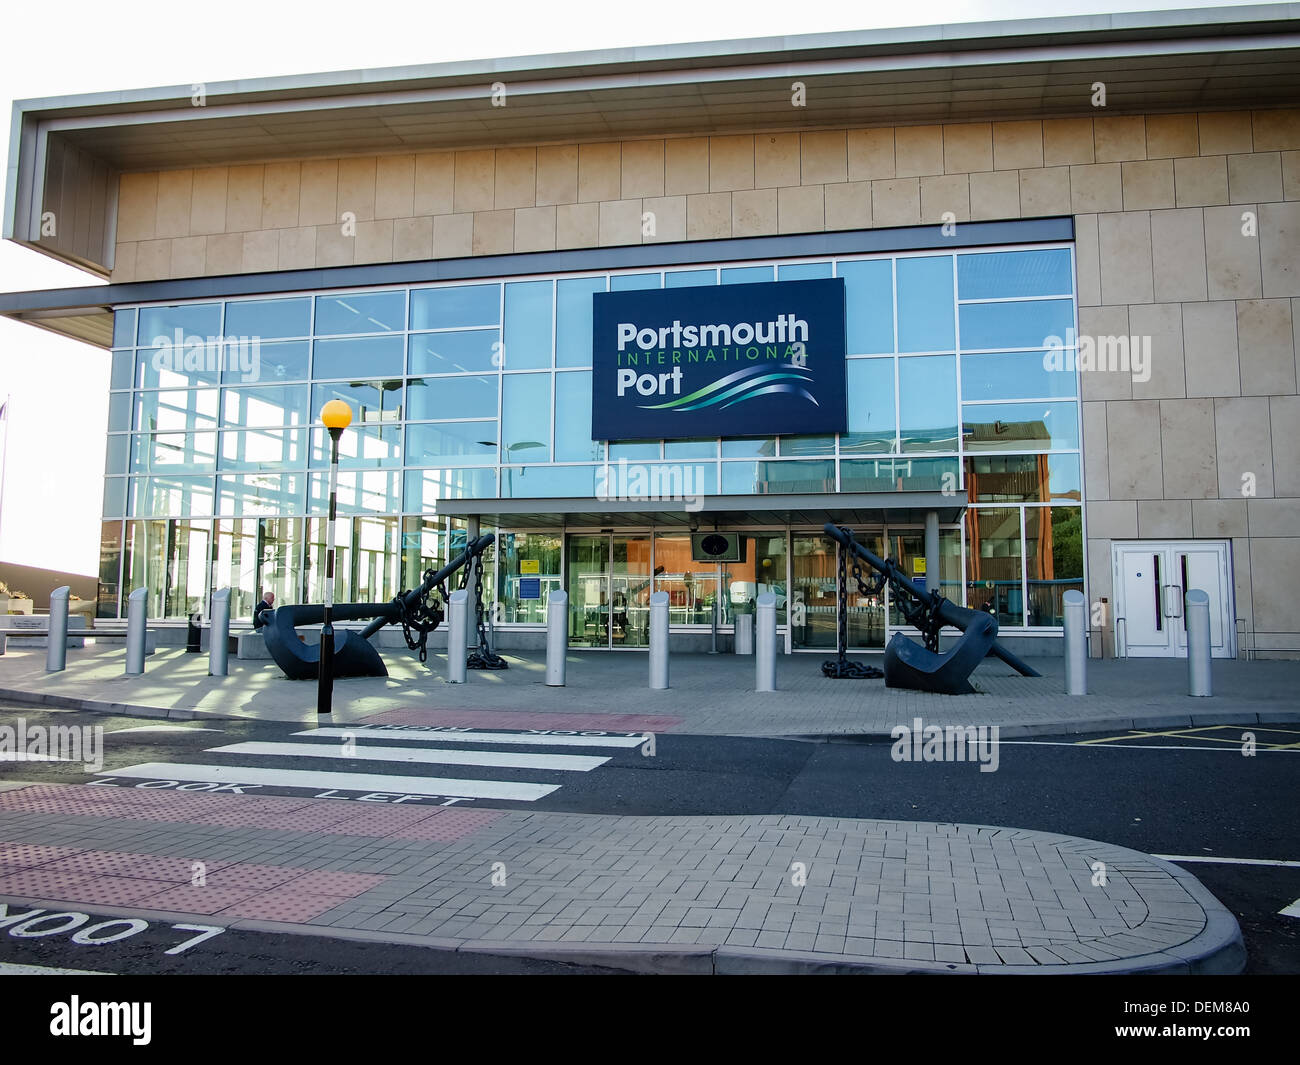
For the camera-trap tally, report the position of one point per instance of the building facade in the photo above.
(1071, 325)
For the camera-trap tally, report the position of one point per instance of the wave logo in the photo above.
(743, 385)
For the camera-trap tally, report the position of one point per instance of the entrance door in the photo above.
(609, 591)
(814, 607)
(1151, 579)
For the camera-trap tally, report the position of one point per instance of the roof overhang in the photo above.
(846, 509)
(67, 152)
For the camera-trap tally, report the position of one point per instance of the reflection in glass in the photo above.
(990, 275)
(423, 488)
(1022, 478)
(1020, 426)
(110, 567)
(528, 325)
(1053, 560)
(1013, 375)
(925, 304)
(263, 449)
(689, 278)
(927, 390)
(452, 397)
(746, 275)
(1015, 325)
(371, 401)
(802, 271)
(261, 493)
(274, 362)
(807, 445)
(527, 563)
(771, 478)
(122, 374)
(526, 417)
(179, 496)
(573, 308)
(993, 563)
(359, 492)
(257, 555)
(269, 319)
(872, 418)
(573, 442)
(899, 475)
(172, 452)
(264, 405)
(814, 592)
(360, 312)
(117, 454)
(365, 560)
(158, 325)
(361, 447)
(690, 449)
(470, 351)
(382, 356)
(869, 305)
(761, 572)
(628, 282)
(744, 447)
(124, 329)
(455, 307)
(692, 587)
(461, 443)
(549, 482)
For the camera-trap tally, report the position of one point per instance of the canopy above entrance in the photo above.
(851, 509)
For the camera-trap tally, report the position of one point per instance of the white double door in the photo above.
(1151, 579)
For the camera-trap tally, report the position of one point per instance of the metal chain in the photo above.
(483, 658)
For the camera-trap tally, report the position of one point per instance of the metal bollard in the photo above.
(56, 650)
(457, 635)
(1199, 681)
(557, 637)
(137, 629)
(1076, 646)
(744, 634)
(659, 641)
(765, 644)
(219, 637)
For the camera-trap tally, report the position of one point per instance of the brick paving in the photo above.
(710, 695)
(769, 893)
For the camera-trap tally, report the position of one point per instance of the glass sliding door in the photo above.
(589, 591)
(813, 592)
(609, 590)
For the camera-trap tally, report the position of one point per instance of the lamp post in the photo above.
(337, 416)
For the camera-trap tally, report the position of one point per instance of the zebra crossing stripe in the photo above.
(365, 753)
(477, 737)
(518, 791)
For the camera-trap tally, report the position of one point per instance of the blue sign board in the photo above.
(530, 587)
(719, 360)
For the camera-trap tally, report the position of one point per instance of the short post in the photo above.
(1076, 645)
(557, 637)
(457, 634)
(219, 638)
(1199, 681)
(137, 630)
(744, 634)
(56, 651)
(659, 641)
(765, 644)
(713, 648)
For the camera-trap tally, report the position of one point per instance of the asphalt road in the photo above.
(1191, 794)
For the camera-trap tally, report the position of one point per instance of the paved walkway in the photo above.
(698, 894)
(711, 695)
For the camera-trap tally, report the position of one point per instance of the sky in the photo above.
(51, 474)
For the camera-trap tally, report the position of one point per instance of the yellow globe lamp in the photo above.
(336, 415)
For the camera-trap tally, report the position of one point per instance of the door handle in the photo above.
(1177, 600)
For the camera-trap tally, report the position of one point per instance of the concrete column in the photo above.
(1076, 644)
(765, 644)
(557, 637)
(56, 648)
(457, 631)
(1199, 680)
(659, 641)
(932, 551)
(219, 637)
(137, 630)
